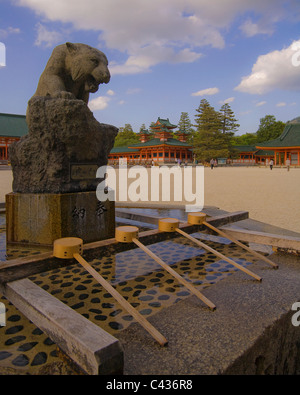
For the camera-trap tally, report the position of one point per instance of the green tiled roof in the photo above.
(163, 129)
(172, 142)
(290, 137)
(119, 150)
(165, 122)
(245, 148)
(134, 148)
(144, 131)
(264, 153)
(12, 125)
(182, 131)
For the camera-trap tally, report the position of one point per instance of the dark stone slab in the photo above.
(63, 149)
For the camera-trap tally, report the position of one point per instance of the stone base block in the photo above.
(43, 218)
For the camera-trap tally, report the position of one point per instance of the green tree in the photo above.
(209, 140)
(229, 123)
(126, 136)
(269, 128)
(229, 126)
(245, 139)
(185, 123)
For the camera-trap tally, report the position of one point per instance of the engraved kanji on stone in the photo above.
(78, 212)
(100, 209)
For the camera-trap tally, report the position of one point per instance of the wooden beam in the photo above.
(94, 350)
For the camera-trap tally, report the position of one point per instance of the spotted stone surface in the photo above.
(142, 281)
(136, 276)
(24, 348)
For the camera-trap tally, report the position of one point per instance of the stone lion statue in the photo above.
(73, 71)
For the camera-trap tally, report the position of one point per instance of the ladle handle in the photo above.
(189, 286)
(123, 302)
(217, 253)
(237, 242)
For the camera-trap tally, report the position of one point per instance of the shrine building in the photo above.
(158, 145)
(251, 155)
(286, 146)
(12, 128)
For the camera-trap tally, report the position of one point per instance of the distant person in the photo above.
(212, 163)
(288, 163)
(271, 164)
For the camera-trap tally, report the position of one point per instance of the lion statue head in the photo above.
(73, 71)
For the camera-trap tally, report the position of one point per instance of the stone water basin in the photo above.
(147, 286)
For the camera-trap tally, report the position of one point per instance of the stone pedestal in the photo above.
(35, 218)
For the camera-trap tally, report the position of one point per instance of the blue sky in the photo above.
(164, 55)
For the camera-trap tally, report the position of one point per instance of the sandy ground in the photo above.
(271, 196)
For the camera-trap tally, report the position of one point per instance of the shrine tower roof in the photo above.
(163, 123)
(182, 131)
(144, 131)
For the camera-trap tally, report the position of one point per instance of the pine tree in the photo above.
(209, 141)
(185, 123)
(207, 118)
(229, 123)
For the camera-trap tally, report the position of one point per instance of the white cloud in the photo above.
(245, 112)
(251, 29)
(133, 91)
(151, 32)
(229, 100)
(10, 30)
(110, 92)
(46, 37)
(144, 58)
(281, 104)
(261, 103)
(275, 70)
(99, 103)
(206, 92)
